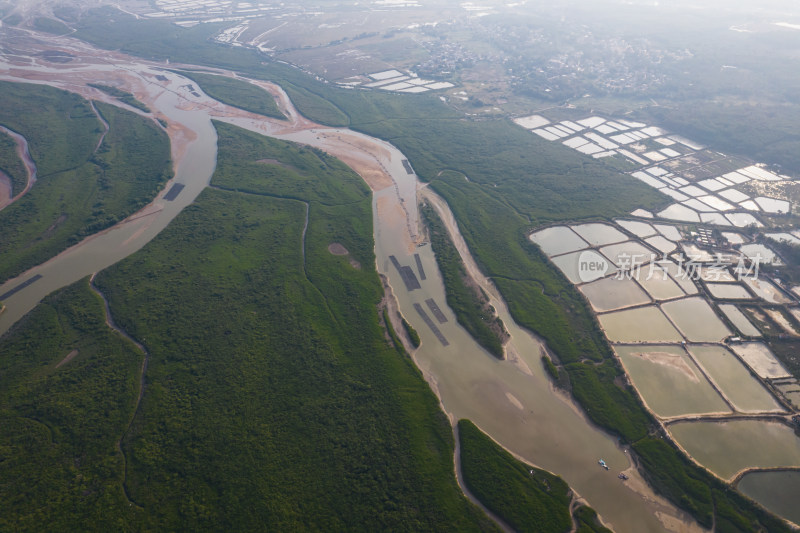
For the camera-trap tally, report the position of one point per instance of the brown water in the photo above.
(558, 240)
(734, 379)
(738, 319)
(512, 400)
(611, 293)
(659, 284)
(642, 324)
(25, 157)
(102, 250)
(669, 381)
(696, 320)
(777, 491)
(726, 448)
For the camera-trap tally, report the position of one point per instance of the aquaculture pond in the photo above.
(642, 324)
(558, 240)
(735, 381)
(669, 381)
(695, 318)
(759, 358)
(729, 447)
(611, 293)
(777, 491)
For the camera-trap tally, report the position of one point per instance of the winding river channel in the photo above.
(6, 196)
(512, 400)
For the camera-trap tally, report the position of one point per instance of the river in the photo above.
(30, 167)
(513, 400)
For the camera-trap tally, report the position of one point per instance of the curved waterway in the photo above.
(512, 400)
(30, 167)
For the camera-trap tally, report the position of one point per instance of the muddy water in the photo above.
(611, 293)
(726, 448)
(642, 324)
(25, 155)
(740, 321)
(777, 491)
(696, 320)
(512, 401)
(100, 251)
(733, 379)
(669, 381)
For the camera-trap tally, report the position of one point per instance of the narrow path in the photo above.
(460, 480)
(744, 471)
(102, 121)
(782, 418)
(111, 324)
(303, 239)
(305, 225)
(574, 503)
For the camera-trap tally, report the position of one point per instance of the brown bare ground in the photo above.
(69, 357)
(337, 249)
(672, 360)
(273, 162)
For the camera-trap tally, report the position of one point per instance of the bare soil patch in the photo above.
(69, 357)
(672, 360)
(275, 162)
(60, 220)
(337, 249)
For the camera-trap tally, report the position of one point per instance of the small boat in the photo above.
(603, 464)
(622, 476)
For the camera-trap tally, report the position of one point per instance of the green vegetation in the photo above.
(720, 125)
(60, 466)
(464, 297)
(49, 25)
(79, 191)
(237, 93)
(280, 407)
(412, 333)
(587, 520)
(700, 493)
(61, 128)
(122, 96)
(525, 498)
(11, 165)
(498, 192)
(550, 368)
(396, 342)
(261, 165)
